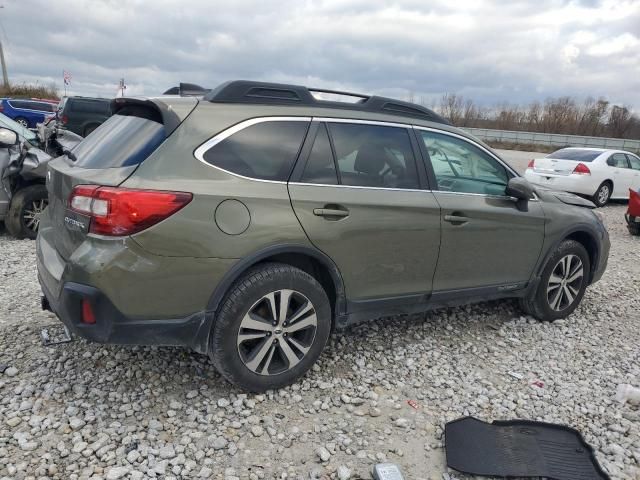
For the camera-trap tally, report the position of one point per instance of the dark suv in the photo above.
(82, 115)
(249, 223)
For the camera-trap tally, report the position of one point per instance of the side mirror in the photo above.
(521, 190)
(8, 138)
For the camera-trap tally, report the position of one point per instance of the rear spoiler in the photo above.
(156, 109)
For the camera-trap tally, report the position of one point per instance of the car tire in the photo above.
(634, 229)
(256, 347)
(22, 121)
(557, 295)
(603, 194)
(25, 210)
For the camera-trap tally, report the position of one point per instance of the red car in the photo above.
(633, 213)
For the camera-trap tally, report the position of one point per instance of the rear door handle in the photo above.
(456, 219)
(330, 212)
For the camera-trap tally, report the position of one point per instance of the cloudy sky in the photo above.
(492, 51)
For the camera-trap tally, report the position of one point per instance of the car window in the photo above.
(90, 106)
(577, 154)
(618, 160)
(18, 104)
(320, 167)
(119, 142)
(462, 167)
(634, 161)
(374, 156)
(264, 151)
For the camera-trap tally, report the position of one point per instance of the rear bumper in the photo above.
(581, 184)
(112, 327)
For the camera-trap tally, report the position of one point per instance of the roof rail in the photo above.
(187, 90)
(250, 92)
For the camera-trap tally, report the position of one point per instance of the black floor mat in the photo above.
(520, 448)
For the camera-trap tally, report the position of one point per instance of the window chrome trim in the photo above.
(472, 142)
(363, 122)
(213, 141)
(358, 187)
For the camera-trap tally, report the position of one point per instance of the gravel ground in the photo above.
(88, 411)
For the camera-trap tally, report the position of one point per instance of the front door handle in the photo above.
(456, 219)
(330, 212)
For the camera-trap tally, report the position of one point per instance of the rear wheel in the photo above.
(22, 121)
(271, 328)
(25, 211)
(562, 284)
(634, 228)
(603, 194)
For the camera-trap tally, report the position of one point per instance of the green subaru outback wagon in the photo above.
(251, 222)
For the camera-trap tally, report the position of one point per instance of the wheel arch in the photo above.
(308, 259)
(585, 237)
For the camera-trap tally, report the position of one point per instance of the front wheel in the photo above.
(22, 121)
(27, 206)
(271, 328)
(603, 194)
(562, 284)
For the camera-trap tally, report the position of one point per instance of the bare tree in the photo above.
(620, 121)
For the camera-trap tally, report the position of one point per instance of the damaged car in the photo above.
(23, 159)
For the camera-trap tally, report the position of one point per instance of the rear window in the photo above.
(90, 106)
(119, 142)
(579, 155)
(265, 151)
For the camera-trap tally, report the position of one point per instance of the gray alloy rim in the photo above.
(31, 216)
(603, 194)
(277, 332)
(565, 282)
(22, 122)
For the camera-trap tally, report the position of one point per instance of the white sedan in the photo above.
(594, 172)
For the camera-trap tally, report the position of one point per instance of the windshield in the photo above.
(25, 133)
(577, 154)
(119, 142)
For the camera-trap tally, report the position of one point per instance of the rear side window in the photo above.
(578, 155)
(374, 156)
(265, 151)
(89, 106)
(320, 166)
(119, 142)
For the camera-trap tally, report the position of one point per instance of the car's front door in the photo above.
(362, 200)
(488, 241)
(622, 175)
(634, 161)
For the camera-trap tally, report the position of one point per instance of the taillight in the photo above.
(531, 163)
(582, 169)
(122, 211)
(1, 108)
(65, 119)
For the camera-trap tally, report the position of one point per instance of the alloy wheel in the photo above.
(603, 194)
(277, 332)
(565, 282)
(31, 215)
(22, 122)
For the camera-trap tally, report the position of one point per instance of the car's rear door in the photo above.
(361, 196)
(489, 244)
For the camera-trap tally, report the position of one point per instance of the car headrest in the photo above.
(370, 159)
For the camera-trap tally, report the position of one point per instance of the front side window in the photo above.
(462, 167)
(265, 151)
(618, 160)
(634, 161)
(374, 156)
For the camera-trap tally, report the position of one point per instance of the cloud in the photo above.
(514, 51)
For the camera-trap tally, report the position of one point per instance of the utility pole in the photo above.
(5, 75)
